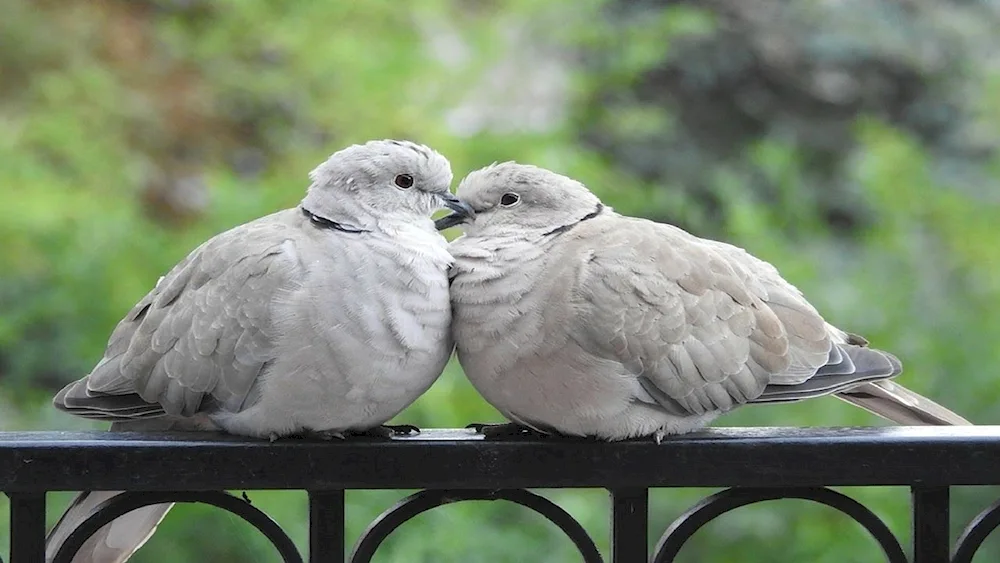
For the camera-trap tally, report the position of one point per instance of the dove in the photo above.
(325, 319)
(572, 319)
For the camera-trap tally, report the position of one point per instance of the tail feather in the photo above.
(115, 542)
(118, 540)
(847, 366)
(900, 405)
(76, 398)
(861, 376)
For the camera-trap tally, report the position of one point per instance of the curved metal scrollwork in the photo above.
(975, 533)
(722, 502)
(124, 503)
(423, 501)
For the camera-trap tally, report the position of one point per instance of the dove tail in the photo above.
(115, 542)
(900, 405)
(861, 376)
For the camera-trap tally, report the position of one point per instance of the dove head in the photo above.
(511, 198)
(381, 180)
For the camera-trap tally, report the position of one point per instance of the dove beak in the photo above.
(463, 212)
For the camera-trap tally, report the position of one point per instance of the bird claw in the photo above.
(402, 429)
(385, 431)
(311, 435)
(323, 435)
(388, 431)
(504, 430)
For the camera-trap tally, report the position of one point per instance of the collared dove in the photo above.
(328, 318)
(570, 318)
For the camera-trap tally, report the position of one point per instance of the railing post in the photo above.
(326, 526)
(27, 527)
(931, 531)
(629, 525)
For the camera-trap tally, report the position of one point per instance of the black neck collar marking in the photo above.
(324, 223)
(564, 228)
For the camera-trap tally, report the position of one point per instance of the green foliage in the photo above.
(132, 131)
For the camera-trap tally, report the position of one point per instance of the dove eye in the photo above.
(404, 181)
(509, 199)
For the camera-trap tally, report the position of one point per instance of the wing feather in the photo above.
(704, 325)
(204, 331)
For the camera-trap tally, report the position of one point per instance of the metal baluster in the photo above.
(629, 525)
(930, 524)
(326, 526)
(27, 527)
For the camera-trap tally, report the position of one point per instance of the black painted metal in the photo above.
(629, 525)
(440, 459)
(931, 512)
(457, 465)
(129, 501)
(718, 504)
(975, 533)
(423, 501)
(27, 527)
(326, 526)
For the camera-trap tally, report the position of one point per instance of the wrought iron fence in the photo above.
(751, 464)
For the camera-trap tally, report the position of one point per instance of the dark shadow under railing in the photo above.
(458, 465)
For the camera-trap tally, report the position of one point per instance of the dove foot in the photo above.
(505, 430)
(387, 431)
(314, 435)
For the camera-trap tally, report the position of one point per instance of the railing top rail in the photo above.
(456, 459)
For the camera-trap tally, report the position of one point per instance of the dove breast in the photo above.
(513, 305)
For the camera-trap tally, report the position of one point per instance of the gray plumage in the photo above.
(327, 318)
(569, 317)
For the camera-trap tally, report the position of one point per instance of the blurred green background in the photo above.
(852, 143)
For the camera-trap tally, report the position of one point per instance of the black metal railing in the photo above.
(751, 464)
